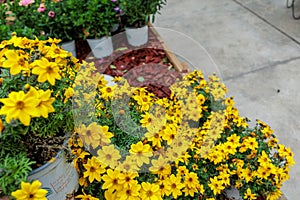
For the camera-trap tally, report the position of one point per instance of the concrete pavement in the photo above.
(254, 45)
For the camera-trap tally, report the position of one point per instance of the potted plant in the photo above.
(49, 19)
(36, 118)
(98, 18)
(130, 144)
(135, 18)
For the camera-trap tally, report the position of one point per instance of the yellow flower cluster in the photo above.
(33, 62)
(191, 145)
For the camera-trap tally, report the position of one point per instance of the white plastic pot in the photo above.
(137, 36)
(101, 47)
(59, 178)
(109, 79)
(70, 47)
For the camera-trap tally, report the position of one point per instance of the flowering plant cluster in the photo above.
(129, 144)
(36, 80)
(64, 19)
(8, 25)
(48, 18)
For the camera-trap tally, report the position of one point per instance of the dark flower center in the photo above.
(20, 105)
(49, 70)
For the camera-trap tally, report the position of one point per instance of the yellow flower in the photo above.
(176, 185)
(146, 119)
(54, 40)
(109, 156)
(110, 194)
(102, 82)
(130, 193)
(30, 191)
(216, 156)
(15, 62)
(150, 191)
(191, 180)
(216, 185)
(127, 179)
(169, 134)
(107, 92)
(111, 180)
(20, 106)
(249, 143)
(249, 195)
(189, 191)
(68, 94)
(225, 178)
(267, 131)
(274, 195)
(45, 106)
(86, 197)
(141, 153)
(55, 51)
(94, 169)
(104, 137)
(143, 99)
(128, 165)
(234, 139)
(263, 173)
(164, 186)
(46, 71)
(182, 170)
(160, 166)
(264, 158)
(247, 174)
(90, 135)
(155, 138)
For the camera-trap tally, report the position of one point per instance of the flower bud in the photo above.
(27, 86)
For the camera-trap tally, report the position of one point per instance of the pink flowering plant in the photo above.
(8, 25)
(48, 18)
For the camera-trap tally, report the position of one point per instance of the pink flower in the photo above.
(25, 2)
(51, 14)
(114, 0)
(117, 8)
(42, 8)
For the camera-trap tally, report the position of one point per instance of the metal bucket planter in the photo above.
(101, 47)
(137, 36)
(233, 193)
(70, 47)
(59, 178)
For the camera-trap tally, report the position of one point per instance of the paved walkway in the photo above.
(255, 48)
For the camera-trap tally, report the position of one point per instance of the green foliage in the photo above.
(138, 16)
(98, 18)
(13, 170)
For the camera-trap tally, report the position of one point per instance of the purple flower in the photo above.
(51, 14)
(114, 0)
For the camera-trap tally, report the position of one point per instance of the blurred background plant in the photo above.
(48, 18)
(97, 18)
(138, 16)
